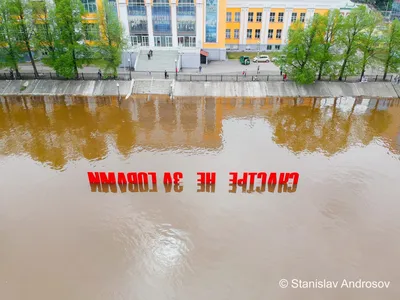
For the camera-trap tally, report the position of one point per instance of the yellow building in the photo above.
(195, 31)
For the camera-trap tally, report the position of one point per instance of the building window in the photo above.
(227, 33)
(229, 17)
(277, 47)
(269, 47)
(270, 33)
(259, 17)
(91, 32)
(302, 17)
(278, 33)
(294, 17)
(249, 33)
(186, 19)
(257, 33)
(250, 18)
(236, 34)
(89, 5)
(237, 16)
(280, 17)
(272, 17)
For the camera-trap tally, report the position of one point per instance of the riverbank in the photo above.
(198, 89)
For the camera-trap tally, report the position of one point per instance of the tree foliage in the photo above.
(72, 51)
(112, 43)
(326, 58)
(21, 11)
(337, 46)
(390, 48)
(302, 50)
(11, 51)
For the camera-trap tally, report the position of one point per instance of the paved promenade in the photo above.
(214, 67)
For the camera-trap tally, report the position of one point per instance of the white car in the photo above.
(262, 58)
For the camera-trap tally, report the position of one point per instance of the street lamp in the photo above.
(130, 69)
(258, 56)
(118, 92)
(176, 68)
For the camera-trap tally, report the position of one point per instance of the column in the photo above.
(149, 23)
(199, 23)
(286, 25)
(123, 17)
(244, 17)
(265, 25)
(174, 27)
(309, 15)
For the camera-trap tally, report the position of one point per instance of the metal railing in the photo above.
(185, 77)
(55, 76)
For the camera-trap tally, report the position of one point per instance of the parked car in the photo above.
(280, 58)
(245, 60)
(262, 58)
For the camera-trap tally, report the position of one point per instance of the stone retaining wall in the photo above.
(198, 89)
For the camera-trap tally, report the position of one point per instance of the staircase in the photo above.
(162, 60)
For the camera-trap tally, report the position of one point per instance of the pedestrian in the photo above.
(99, 73)
(200, 69)
(258, 69)
(166, 74)
(148, 56)
(398, 79)
(151, 53)
(284, 77)
(11, 73)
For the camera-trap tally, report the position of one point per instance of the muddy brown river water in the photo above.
(61, 238)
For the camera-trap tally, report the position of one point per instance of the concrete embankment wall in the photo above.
(200, 89)
(286, 89)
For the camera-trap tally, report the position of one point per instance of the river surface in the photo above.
(61, 238)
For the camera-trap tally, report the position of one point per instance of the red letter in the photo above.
(94, 178)
(132, 177)
(153, 177)
(243, 180)
(283, 178)
(142, 176)
(210, 178)
(295, 177)
(263, 177)
(110, 179)
(202, 178)
(272, 178)
(252, 176)
(121, 178)
(167, 178)
(234, 175)
(177, 176)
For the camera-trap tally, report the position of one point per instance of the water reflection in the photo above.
(57, 130)
(190, 241)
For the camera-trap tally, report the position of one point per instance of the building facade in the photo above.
(211, 26)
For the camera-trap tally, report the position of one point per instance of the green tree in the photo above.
(22, 11)
(112, 41)
(45, 31)
(326, 58)
(10, 40)
(390, 48)
(370, 39)
(301, 51)
(350, 35)
(73, 52)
